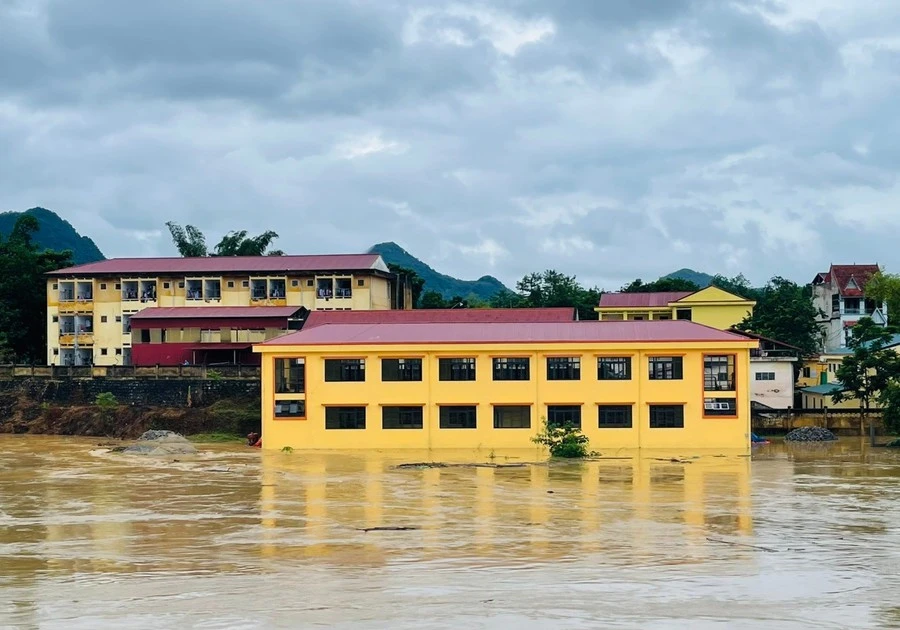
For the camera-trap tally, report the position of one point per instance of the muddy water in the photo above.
(803, 537)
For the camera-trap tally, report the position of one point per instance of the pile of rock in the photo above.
(810, 434)
(160, 443)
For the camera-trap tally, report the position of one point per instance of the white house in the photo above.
(772, 373)
(839, 293)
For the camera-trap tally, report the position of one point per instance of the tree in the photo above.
(416, 282)
(551, 289)
(738, 285)
(191, 243)
(885, 288)
(867, 373)
(784, 311)
(23, 291)
(663, 284)
(189, 240)
(239, 244)
(432, 299)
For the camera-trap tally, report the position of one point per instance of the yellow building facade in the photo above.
(657, 385)
(711, 306)
(89, 307)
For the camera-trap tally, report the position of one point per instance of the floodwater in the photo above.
(806, 536)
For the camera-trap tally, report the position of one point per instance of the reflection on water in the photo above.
(800, 537)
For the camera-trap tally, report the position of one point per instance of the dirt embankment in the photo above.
(21, 414)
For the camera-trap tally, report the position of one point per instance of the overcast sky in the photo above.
(609, 139)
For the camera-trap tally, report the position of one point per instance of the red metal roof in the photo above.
(656, 299)
(842, 274)
(215, 312)
(227, 265)
(447, 316)
(520, 332)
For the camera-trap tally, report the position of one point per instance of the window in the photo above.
(309, 283)
(145, 335)
(118, 286)
(718, 373)
(512, 369)
(245, 283)
(807, 372)
(166, 285)
(512, 417)
(181, 284)
(345, 370)
(719, 407)
(55, 286)
(103, 351)
(666, 368)
(103, 319)
(345, 417)
(290, 408)
(614, 368)
(118, 351)
(456, 369)
(290, 376)
(666, 416)
(767, 376)
(360, 283)
(55, 351)
(118, 318)
(230, 284)
(851, 306)
(683, 313)
(55, 318)
(103, 286)
(614, 416)
(562, 415)
(401, 418)
(401, 369)
(835, 303)
(563, 369)
(295, 283)
(163, 333)
(458, 417)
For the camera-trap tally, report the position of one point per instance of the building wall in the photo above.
(699, 432)
(777, 393)
(109, 342)
(820, 401)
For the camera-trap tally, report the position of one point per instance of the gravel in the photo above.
(161, 443)
(810, 434)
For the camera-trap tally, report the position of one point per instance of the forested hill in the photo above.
(484, 288)
(55, 233)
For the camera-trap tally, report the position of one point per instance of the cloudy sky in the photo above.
(609, 139)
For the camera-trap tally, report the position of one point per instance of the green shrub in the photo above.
(214, 375)
(566, 441)
(287, 449)
(106, 400)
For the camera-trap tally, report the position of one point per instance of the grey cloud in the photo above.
(610, 140)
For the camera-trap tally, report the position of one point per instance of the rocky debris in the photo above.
(810, 434)
(160, 443)
(423, 465)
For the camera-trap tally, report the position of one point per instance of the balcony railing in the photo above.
(759, 353)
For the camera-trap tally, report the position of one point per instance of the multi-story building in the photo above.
(494, 385)
(839, 296)
(773, 372)
(711, 306)
(90, 307)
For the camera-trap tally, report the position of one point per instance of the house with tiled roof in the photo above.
(710, 306)
(839, 296)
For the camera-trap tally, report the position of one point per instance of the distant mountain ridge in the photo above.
(699, 278)
(484, 288)
(55, 233)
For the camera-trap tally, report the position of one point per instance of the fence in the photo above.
(129, 371)
(838, 420)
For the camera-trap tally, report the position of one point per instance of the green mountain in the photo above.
(484, 288)
(697, 277)
(55, 233)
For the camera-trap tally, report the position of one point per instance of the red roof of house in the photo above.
(654, 299)
(228, 264)
(443, 315)
(514, 333)
(842, 274)
(215, 312)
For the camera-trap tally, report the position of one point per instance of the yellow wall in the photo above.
(710, 306)
(699, 432)
(372, 294)
(820, 401)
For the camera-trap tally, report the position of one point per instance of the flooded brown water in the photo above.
(799, 537)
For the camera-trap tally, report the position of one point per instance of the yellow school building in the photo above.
(494, 384)
(711, 306)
